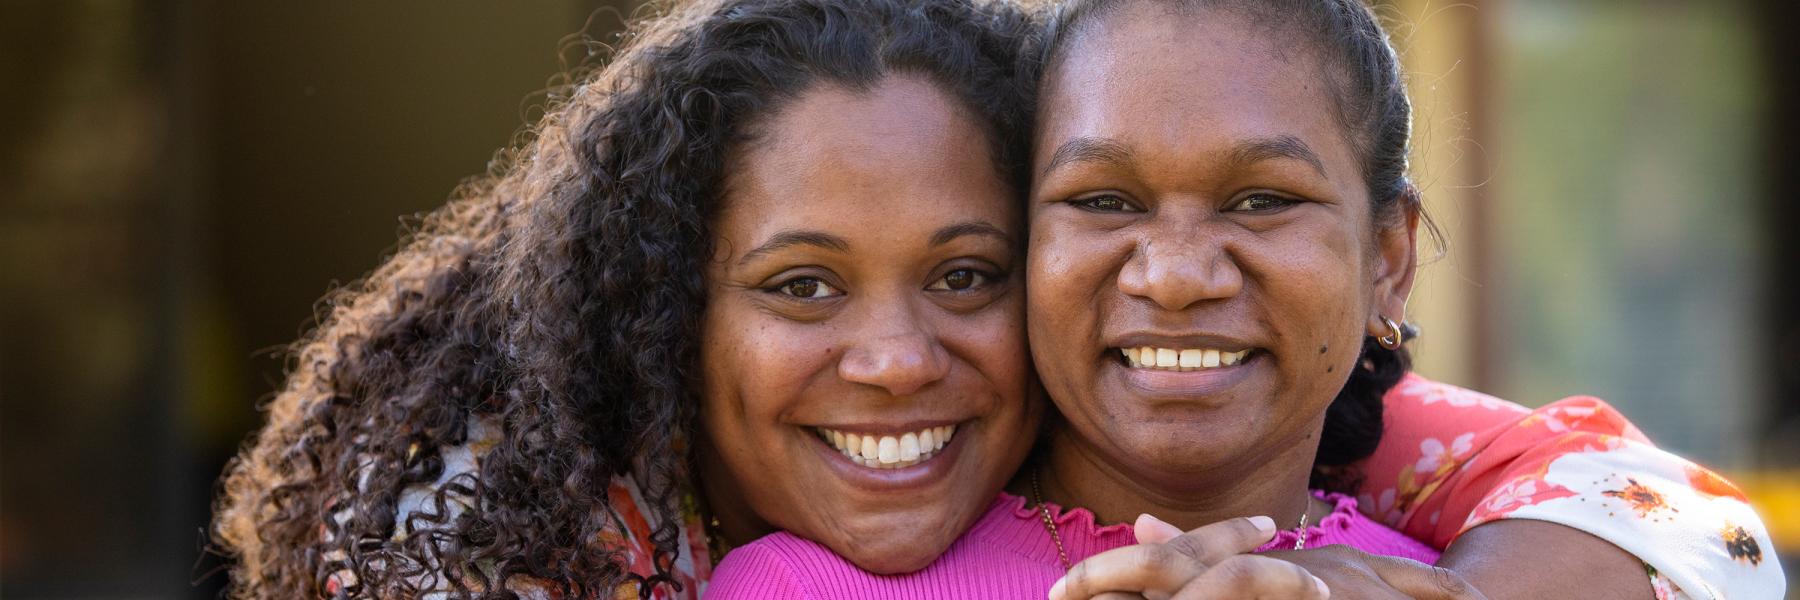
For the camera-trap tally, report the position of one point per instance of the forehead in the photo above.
(1184, 83)
(902, 152)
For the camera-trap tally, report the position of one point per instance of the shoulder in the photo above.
(779, 565)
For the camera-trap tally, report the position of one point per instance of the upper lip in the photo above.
(891, 428)
(1208, 341)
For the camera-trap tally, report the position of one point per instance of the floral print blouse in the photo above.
(1449, 460)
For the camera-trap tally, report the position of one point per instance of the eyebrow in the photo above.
(1089, 149)
(792, 238)
(1271, 148)
(820, 239)
(1103, 150)
(945, 235)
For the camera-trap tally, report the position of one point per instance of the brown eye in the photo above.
(808, 288)
(1107, 203)
(1263, 203)
(959, 280)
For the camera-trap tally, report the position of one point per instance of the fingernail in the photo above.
(1324, 592)
(1148, 517)
(1057, 590)
(1263, 524)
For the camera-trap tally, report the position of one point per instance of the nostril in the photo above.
(900, 364)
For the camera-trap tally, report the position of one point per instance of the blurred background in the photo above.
(181, 180)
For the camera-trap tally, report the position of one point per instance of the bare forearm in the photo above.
(1521, 558)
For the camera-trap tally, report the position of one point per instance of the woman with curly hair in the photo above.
(508, 403)
(604, 358)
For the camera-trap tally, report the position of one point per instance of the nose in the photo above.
(900, 362)
(1176, 269)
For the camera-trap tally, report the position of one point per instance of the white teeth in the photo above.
(890, 450)
(1191, 359)
(886, 451)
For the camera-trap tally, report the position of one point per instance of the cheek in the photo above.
(1067, 272)
(1313, 287)
(994, 343)
(755, 369)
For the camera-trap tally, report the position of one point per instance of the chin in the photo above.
(893, 554)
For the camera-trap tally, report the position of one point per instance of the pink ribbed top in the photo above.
(1007, 554)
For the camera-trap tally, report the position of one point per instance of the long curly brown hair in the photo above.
(560, 298)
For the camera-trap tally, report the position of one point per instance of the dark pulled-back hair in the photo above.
(1366, 80)
(560, 297)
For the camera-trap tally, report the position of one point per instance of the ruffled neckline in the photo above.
(1081, 521)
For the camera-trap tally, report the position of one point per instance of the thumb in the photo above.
(1151, 530)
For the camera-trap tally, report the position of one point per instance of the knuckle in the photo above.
(1164, 559)
(1191, 545)
(1448, 581)
(1076, 582)
(1239, 570)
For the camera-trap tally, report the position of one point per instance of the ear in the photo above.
(1396, 261)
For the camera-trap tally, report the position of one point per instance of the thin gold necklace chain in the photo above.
(1037, 497)
(1037, 493)
(1300, 544)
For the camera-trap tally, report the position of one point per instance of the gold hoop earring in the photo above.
(1395, 336)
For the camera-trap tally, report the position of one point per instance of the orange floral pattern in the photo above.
(1451, 459)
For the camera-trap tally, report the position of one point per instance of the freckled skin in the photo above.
(1184, 254)
(882, 171)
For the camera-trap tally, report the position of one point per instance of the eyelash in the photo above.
(785, 289)
(1281, 203)
(1089, 203)
(980, 279)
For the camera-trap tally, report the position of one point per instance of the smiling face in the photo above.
(865, 367)
(1204, 263)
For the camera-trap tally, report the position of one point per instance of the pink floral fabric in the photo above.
(1451, 459)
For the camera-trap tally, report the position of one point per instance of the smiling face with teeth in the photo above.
(865, 372)
(1204, 262)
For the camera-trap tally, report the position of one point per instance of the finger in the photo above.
(1212, 543)
(1119, 596)
(1252, 576)
(1421, 580)
(1151, 530)
(1138, 569)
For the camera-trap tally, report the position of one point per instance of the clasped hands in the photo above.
(1215, 561)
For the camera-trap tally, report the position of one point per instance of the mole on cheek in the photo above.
(1322, 349)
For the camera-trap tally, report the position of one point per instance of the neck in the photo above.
(724, 503)
(1073, 473)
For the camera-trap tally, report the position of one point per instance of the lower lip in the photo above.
(919, 475)
(1185, 385)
